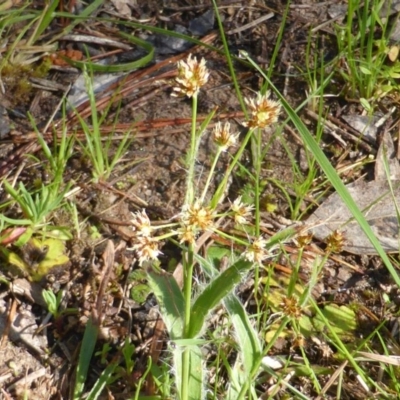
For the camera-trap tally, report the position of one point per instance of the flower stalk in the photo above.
(191, 156)
(223, 139)
(192, 75)
(199, 215)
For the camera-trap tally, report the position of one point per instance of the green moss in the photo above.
(16, 79)
(42, 69)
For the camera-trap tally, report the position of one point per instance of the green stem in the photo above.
(185, 373)
(187, 293)
(187, 287)
(221, 188)
(191, 156)
(189, 262)
(256, 141)
(228, 59)
(210, 175)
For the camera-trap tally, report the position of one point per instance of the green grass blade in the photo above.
(25, 202)
(102, 381)
(342, 347)
(12, 221)
(229, 59)
(166, 32)
(12, 19)
(85, 355)
(84, 16)
(46, 18)
(130, 66)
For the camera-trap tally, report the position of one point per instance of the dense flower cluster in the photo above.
(141, 223)
(146, 247)
(241, 212)
(192, 75)
(263, 111)
(197, 216)
(223, 137)
(257, 252)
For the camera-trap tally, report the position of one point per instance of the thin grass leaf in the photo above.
(85, 356)
(206, 122)
(130, 66)
(25, 204)
(17, 40)
(229, 60)
(102, 381)
(94, 135)
(62, 149)
(46, 18)
(84, 15)
(142, 382)
(166, 32)
(12, 19)
(343, 349)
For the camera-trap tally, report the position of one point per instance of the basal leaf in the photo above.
(170, 299)
(214, 293)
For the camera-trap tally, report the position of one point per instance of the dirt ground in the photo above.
(151, 175)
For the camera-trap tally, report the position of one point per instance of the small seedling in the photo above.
(53, 302)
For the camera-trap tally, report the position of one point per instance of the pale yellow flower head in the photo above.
(192, 75)
(263, 111)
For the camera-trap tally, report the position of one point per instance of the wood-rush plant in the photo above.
(185, 317)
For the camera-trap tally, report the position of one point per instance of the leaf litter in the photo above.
(158, 183)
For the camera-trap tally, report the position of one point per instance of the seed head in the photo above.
(304, 240)
(192, 75)
(263, 111)
(141, 223)
(335, 242)
(146, 249)
(291, 307)
(241, 211)
(256, 252)
(223, 137)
